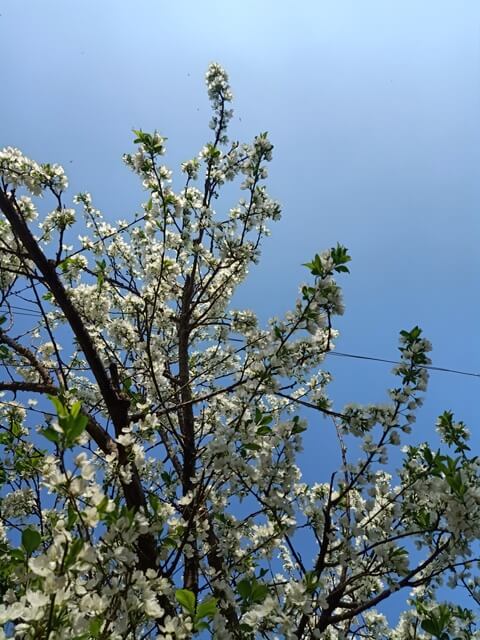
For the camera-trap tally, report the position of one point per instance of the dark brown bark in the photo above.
(187, 424)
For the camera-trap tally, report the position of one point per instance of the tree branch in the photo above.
(33, 387)
(28, 355)
(117, 405)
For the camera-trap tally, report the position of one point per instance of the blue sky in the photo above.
(373, 108)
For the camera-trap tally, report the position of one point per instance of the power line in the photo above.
(422, 366)
(23, 311)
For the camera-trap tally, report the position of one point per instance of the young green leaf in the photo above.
(50, 434)
(207, 608)
(186, 599)
(31, 540)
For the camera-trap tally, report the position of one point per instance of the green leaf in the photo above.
(259, 592)
(251, 592)
(65, 264)
(60, 408)
(31, 540)
(95, 627)
(101, 268)
(340, 256)
(207, 609)
(50, 434)
(166, 477)
(412, 335)
(169, 542)
(315, 266)
(244, 589)
(74, 427)
(187, 599)
(201, 625)
(70, 420)
(264, 431)
(212, 151)
(16, 428)
(75, 409)
(252, 446)
(262, 418)
(427, 454)
(17, 555)
(298, 429)
(72, 516)
(430, 627)
(311, 581)
(73, 551)
(154, 502)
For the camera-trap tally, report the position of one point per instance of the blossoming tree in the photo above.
(139, 409)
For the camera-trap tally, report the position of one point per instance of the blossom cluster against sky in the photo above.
(373, 110)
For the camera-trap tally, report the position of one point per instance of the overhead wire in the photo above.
(32, 313)
(23, 311)
(422, 366)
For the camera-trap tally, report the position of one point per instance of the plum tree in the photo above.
(151, 432)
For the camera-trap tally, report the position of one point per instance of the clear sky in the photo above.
(373, 107)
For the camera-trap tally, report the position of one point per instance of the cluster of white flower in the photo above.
(18, 503)
(57, 220)
(219, 93)
(19, 171)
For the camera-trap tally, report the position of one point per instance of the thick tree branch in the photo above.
(116, 404)
(33, 387)
(187, 424)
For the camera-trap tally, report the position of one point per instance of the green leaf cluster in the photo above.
(439, 621)
(340, 257)
(152, 143)
(201, 613)
(251, 591)
(262, 421)
(454, 434)
(101, 273)
(71, 421)
(443, 466)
